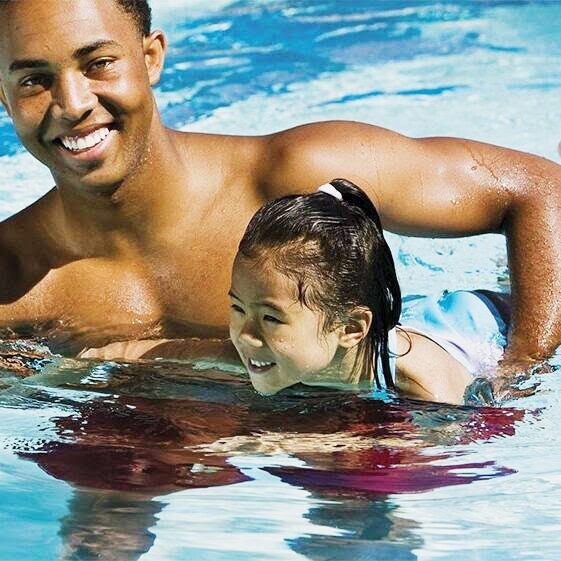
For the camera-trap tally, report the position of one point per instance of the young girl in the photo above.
(315, 300)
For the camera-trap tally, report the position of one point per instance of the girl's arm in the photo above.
(429, 372)
(182, 349)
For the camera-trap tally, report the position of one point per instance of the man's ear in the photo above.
(154, 46)
(356, 327)
(4, 99)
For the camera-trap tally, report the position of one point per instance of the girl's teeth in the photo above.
(260, 363)
(75, 143)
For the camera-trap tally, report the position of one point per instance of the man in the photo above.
(138, 236)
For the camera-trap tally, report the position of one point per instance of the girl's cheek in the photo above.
(279, 344)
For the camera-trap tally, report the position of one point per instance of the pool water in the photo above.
(165, 461)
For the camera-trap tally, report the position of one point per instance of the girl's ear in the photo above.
(356, 327)
(154, 46)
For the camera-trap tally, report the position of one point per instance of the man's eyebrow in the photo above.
(78, 53)
(88, 49)
(27, 63)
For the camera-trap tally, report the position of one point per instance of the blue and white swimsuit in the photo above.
(466, 324)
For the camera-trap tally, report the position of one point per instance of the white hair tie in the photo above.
(329, 189)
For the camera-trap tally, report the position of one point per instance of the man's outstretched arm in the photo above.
(445, 187)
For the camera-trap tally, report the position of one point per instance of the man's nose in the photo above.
(73, 98)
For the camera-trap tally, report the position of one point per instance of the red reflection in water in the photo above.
(146, 445)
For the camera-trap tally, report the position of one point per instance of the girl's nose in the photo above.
(250, 336)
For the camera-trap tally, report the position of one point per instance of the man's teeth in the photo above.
(260, 363)
(76, 143)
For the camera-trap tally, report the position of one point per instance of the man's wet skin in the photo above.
(138, 236)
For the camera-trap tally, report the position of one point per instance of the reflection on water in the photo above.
(373, 531)
(108, 526)
(130, 433)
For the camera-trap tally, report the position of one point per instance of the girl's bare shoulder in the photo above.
(425, 370)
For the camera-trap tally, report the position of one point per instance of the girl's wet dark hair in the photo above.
(336, 253)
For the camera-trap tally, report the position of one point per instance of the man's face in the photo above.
(76, 78)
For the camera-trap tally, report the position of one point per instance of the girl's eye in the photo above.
(237, 308)
(272, 319)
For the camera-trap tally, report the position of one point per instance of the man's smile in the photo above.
(87, 145)
(83, 142)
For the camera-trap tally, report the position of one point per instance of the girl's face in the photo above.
(280, 341)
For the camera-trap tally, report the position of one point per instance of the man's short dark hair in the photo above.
(140, 11)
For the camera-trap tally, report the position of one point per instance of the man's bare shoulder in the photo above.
(21, 240)
(207, 147)
(16, 229)
(231, 163)
(299, 159)
(290, 161)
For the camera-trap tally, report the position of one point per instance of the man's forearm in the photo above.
(534, 251)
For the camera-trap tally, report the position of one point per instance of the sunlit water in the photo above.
(162, 461)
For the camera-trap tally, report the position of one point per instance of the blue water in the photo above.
(166, 462)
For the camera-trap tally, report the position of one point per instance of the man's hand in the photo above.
(512, 379)
(122, 350)
(480, 392)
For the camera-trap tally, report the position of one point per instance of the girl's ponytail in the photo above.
(384, 298)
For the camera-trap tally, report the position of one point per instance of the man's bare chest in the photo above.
(176, 291)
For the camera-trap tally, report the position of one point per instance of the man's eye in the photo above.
(272, 319)
(37, 80)
(100, 65)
